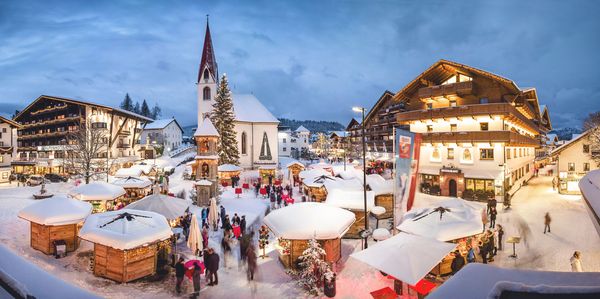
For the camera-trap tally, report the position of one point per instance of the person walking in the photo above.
(205, 259)
(457, 263)
(243, 225)
(226, 245)
(272, 199)
(227, 223)
(196, 280)
(500, 234)
(493, 214)
(554, 183)
(278, 199)
(179, 274)
(256, 189)
(483, 249)
(213, 261)
(251, 260)
(490, 245)
(576, 262)
(222, 214)
(205, 236)
(547, 221)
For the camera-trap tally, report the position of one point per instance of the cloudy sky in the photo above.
(303, 59)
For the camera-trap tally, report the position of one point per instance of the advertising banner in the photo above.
(406, 154)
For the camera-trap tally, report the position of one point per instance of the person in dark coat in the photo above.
(245, 241)
(493, 214)
(213, 266)
(227, 223)
(251, 260)
(243, 225)
(490, 245)
(491, 204)
(256, 190)
(547, 221)
(196, 280)
(236, 219)
(222, 215)
(458, 262)
(205, 255)
(272, 199)
(268, 188)
(483, 250)
(500, 231)
(179, 274)
(278, 200)
(270, 179)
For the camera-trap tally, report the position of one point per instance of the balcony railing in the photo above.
(446, 89)
(51, 121)
(43, 135)
(124, 132)
(508, 137)
(50, 109)
(123, 145)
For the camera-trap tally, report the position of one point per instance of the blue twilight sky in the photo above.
(303, 59)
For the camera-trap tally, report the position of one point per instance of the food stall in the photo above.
(135, 187)
(353, 201)
(266, 171)
(168, 206)
(294, 168)
(102, 195)
(227, 171)
(384, 194)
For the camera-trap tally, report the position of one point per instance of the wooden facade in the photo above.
(386, 201)
(125, 265)
(43, 236)
(358, 225)
(317, 194)
(332, 247)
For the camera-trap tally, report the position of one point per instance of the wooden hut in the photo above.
(294, 168)
(313, 183)
(294, 225)
(353, 201)
(135, 188)
(384, 194)
(227, 171)
(266, 171)
(55, 219)
(128, 244)
(102, 195)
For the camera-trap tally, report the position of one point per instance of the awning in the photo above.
(404, 256)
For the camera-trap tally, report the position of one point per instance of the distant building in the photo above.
(46, 122)
(8, 147)
(293, 143)
(339, 144)
(573, 161)
(165, 132)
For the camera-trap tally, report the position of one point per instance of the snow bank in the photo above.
(56, 210)
(141, 228)
(29, 281)
(168, 206)
(132, 182)
(350, 199)
(97, 190)
(303, 221)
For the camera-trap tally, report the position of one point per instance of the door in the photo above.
(452, 187)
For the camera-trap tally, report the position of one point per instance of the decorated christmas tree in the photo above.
(223, 118)
(313, 268)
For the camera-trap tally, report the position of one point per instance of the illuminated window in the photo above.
(452, 103)
(507, 153)
(452, 127)
(586, 166)
(429, 128)
(486, 154)
(450, 153)
(429, 105)
(467, 156)
(571, 167)
(483, 126)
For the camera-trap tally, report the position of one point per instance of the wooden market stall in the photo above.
(128, 244)
(102, 195)
(384, 194)
(55, 219)
(353, 201)
(296, 224)
(227, 171)
(266, 171)
(170, 207)
(135, 187)
(313, 184)
(294, 168)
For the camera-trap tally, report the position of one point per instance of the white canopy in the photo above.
(194, 240)
(203, 183)
(404, 256)
(459, 219)
(98, 190)
(56, 210)
(168, 206)
(129, 172)
(350, 199)
(125, 229)
(379, 185)
(229, 167)
(303, 221)
(132, 182)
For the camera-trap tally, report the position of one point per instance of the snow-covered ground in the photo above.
(571, 230)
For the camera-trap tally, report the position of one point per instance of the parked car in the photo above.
(34, 180)
(21, 177)
(55, 178)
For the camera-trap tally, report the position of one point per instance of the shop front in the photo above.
(452, 182)
(569, 182)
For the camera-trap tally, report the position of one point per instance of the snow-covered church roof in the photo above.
(248, 108)
(206, 128)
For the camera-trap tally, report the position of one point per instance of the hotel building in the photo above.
(8, 148)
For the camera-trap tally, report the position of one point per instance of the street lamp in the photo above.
(364, 155)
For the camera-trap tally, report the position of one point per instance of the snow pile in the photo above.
(322, 165)
(29, 281)
(229, 168)
(168, 206)
(379, 185)
(303, 221)
(132, 182)
(125, 229)
(98, 190)
(458, 219)
(350, 199)
(56, 210)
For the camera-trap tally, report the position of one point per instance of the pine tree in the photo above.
(145, 110)
(136, 108)
(223, 119)
(127, 103)
(313, 267)
(156, 111)
(193, 195)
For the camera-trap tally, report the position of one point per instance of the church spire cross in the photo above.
(208, 56)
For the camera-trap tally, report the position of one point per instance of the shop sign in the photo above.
(450, 170)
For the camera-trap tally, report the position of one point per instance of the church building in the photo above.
(255, 125)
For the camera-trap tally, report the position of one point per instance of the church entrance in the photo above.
(452, 188)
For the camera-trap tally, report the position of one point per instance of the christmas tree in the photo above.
(223, 119)
(193, 195)
(313, 268)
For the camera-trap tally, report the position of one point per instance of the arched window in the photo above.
(205, 171)
(206, 93)
(244, 143)
(205, 75)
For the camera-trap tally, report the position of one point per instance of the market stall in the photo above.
(323, 166)
(313, 183)
(294, 168)
(55, 219)
(135, 187)
(353, 201)
(128, 244)
(102, 195)
(266, 171)
(384, 194)
(227, 171)
(168, 206)
(294, 225)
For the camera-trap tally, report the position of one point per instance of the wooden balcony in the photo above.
(503, 109)
(52, 121)
(507, 137)
(50, 109)
(124, 132)
(459, 88)
(43, 135)
(123, 145)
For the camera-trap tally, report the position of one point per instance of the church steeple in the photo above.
(208, 61)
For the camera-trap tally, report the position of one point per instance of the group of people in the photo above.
(276, 194)
(479, 249)
(211, 266)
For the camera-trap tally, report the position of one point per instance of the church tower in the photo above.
(208, 77)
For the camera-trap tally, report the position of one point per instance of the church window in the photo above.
(205, 74)
(244, 143)
(265, 150)
(206, 93)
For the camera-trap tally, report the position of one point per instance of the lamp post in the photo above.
(364, 155)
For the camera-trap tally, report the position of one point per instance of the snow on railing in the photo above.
(180, 150)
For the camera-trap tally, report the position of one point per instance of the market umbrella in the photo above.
(195, 236)
(213, 216)
(189, 268)
(168, 206)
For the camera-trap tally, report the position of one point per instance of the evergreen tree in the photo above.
(127, 103)
(313, 267)
(223, 119)
(156, 111)
(136, 108)
(145, 110)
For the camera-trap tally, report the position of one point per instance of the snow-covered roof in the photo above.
(352, 184)
(229, 168)
(311, 174)
(168, 206)
(339, 133)
(203, 183)
(294, 163)
(132, 228)
(248, 108)
(30, 281)
(129, 172)
(132, 182)
(302, 129)
(206, 128)
(462, 220)
(56, 210)
(303, 221)
(321, 165)
(481, 280)
(569, 143)
(145, 167)
(590, 189)
(97, 190)
(406, 257)
(267, 167)
(161, 124)
(207, 157)
(379, 185)
(350, 199)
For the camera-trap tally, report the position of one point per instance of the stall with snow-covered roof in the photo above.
(353, 201)
(296, 224)
(55, 219)
(453, 220)
(383, 191)
(102, 195)
(227, 171)
(313, 183)
(322, 165)
(135, 187)
(170, 207)
(128, 244)
(294, 168)
(267, 171)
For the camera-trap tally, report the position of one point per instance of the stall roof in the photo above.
(56, 210)
(132, 182)
(129, 172)
(404, 256)
(350, 199)
(125, 229)
(379, 185)
(97, 190)
(294, 163)
(303, 221)
(168, 206)
(312, 174)
(229, 168)
(352, 184)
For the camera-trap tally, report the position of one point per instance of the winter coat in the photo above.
(457, 263)
(272, 198)
(243, 225)
(576, 264)
(225, 244)
(179, 270)
(213, 262)
(196, 279)
(471, 255)
(493, 214)
(251, 257)
(496, 240)
(547, 219)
